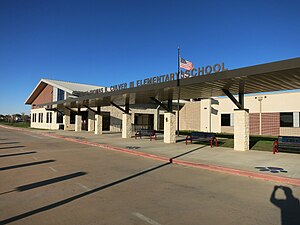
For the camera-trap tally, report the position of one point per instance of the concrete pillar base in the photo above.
(126, 126)
(78, 120)
(169, 128)
(98, 124)
(91, 121)
(66, 120)
(241, 130)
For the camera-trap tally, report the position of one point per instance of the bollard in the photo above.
(275, 147)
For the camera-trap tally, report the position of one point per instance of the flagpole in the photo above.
(178, 88)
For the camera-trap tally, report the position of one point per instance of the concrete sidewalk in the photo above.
(260, 164)
(281, 164)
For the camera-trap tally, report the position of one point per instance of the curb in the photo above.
(244, 173)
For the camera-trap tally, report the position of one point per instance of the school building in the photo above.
(208, 102)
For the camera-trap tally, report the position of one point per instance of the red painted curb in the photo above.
(145, 155)
(243, 173)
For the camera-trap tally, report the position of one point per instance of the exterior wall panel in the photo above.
(44, 97)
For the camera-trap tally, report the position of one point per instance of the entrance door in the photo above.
(161, 122)
(84, 115)
(105, 121)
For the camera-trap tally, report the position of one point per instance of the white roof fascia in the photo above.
(33, 90)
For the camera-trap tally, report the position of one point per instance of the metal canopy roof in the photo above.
(275, 76)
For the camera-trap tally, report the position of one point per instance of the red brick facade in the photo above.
(44, 97)
(270, 124)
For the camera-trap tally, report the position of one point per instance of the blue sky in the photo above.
(110, 42)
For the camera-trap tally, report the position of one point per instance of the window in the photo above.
(286, 119)
(72, 118)
(59, 118)
(49, 117)
(40, 117)
(60, 94)
(33, 117)
(225, 119)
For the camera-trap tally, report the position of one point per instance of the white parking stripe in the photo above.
(54, 170)
(83, 186)
(146, 219)
(35, 136)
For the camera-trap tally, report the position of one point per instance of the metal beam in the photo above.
(242, 99)
(170, 105)
(229, 95)
(89, 108)
(127, 105)
(71, 110)
(118, 107)
(56, 110)
(242, 93)
(161, 104)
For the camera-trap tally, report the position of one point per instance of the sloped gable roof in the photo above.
(69, 87)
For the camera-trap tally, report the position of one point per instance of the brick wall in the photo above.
(44, 97)
(254, 123)
(270, 124)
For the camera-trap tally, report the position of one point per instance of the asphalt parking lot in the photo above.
(51, 181)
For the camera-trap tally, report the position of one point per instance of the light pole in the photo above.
(260, 98)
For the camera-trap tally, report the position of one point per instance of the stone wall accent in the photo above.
(241, 130)
(91, 120)
(126, 125)
(189, 116)
(98, 124)
(169, 128)
(78, 121)
(66, 120)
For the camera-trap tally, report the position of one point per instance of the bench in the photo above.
(144, 132)
(202, 136)
(287, 143)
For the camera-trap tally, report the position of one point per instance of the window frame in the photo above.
(286, 123)
(228, 123)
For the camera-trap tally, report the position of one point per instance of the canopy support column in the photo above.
(241, 129)
(169, 127)
(91, 118)
(78, 121)
(241, 121)
(66, 119)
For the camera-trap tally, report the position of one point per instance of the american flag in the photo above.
(186, 64)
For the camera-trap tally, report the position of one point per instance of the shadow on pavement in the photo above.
(49, 181)
(9, 143)
(16, 154)
(20, 146)
(26, 164)
(290, 207)
(45, 182)
(186, 153)
(73, 198)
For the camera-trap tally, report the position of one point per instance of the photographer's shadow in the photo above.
(290, 206)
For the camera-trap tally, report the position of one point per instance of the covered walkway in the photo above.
(275, 76)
